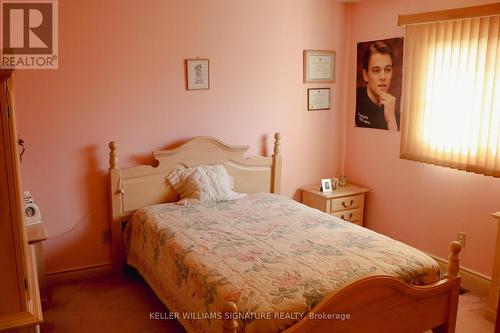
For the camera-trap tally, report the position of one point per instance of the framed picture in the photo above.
(197, 74)
(379, 84)
(342, 181)
(318, 99)
(335, 183)
(319, 66)
(326, 185)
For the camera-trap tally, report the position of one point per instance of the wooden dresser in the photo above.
(491, 310)
(20, 309)
(347, 203)
(36, 234)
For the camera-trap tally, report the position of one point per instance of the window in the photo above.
(451, 94)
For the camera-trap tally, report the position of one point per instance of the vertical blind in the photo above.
(451, 94)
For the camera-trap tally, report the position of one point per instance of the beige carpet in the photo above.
(124, 304)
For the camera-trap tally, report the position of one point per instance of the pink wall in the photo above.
(419, 204)
(121, 77)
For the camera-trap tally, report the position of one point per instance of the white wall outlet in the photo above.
(461, 238)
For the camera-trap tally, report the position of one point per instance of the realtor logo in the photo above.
(29, 31)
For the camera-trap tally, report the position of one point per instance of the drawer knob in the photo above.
(347, 205)
(343, 217)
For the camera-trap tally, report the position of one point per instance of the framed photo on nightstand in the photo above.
(326, 185)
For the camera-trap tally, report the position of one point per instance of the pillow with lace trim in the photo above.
(205, 183)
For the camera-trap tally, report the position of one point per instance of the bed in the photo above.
(265, 263)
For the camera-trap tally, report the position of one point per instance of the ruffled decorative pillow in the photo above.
(205, 183)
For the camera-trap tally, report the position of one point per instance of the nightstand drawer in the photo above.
(352, 215)
(345, 203)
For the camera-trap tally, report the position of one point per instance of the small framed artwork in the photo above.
(335, 183)
(318, 99)
(326, 185)
(197, 74)
(342, 181)
(319, 66)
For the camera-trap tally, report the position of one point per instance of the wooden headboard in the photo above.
(144, 185)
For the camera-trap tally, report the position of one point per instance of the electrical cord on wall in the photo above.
(73, 227)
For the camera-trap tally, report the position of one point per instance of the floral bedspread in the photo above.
(265, 252)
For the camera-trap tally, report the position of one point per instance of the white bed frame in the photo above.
(379, 303)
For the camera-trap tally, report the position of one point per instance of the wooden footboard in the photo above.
(381, 303)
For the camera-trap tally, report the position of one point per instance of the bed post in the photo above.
(276, 170)
(454, 278)
(454, 260)
(116, 205)
(230, 325)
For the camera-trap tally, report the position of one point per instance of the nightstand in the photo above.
(347, 202)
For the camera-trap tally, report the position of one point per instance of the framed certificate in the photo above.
(197, 74)
(319, 66)
(318, 99)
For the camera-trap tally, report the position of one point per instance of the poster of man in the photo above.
(378, 84)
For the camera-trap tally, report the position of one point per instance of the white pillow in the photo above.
(205, 183)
